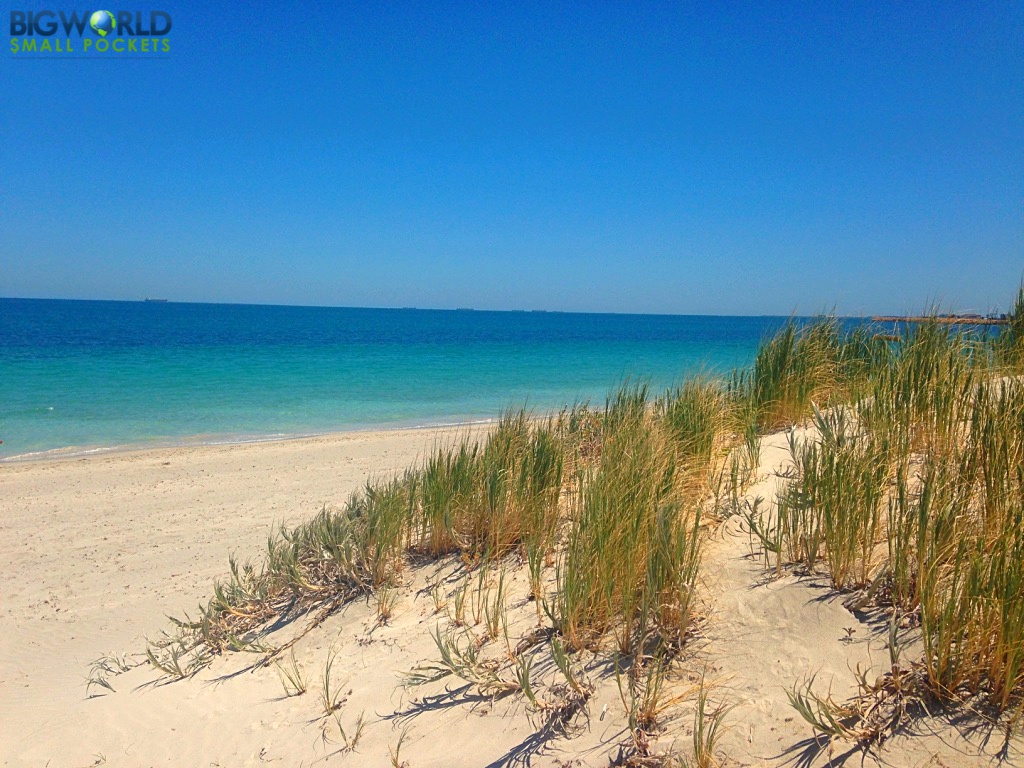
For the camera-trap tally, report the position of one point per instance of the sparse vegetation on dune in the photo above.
(907, 490)
(912, 493)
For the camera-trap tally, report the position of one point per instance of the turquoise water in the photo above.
(78, 376)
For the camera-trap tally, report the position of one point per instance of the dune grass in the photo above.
(832, 510)
(912, 491)
(485, 501)
(631, 555)
(966, 560)
(1009, 345)
(796, 367)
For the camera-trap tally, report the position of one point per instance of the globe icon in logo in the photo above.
(102, 23)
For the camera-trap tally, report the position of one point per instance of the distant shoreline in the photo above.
(947, 320)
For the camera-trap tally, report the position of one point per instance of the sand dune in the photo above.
(94, 553)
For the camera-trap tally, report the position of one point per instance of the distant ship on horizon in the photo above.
(156, 301)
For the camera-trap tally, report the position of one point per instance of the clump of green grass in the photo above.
(970, 555)
(698, 420)
(495, 611)
(954, 521)
(332, 697)
(104, 668)
(176, 657)
(460, 657)
(707, 730)
(641, 690)
(826, 716)
(350, 738)
(579, 429)
(539, 489)
(832, 508)
(632, 553)
(807, 364)
(485, 501)
(920, 397)
(293, 680)
(795, 368)
(395, 752)
(446, 485)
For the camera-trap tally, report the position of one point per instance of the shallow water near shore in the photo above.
(82, 376)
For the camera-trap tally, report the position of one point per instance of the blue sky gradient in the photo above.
(631, 157)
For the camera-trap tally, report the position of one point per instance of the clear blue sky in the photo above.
(749, 158)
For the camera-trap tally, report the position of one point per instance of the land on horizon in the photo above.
(988, 318)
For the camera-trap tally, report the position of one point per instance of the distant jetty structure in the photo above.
(947, 319)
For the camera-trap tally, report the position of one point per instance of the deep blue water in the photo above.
(82, 375)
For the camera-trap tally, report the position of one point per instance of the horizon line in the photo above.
(162, 300)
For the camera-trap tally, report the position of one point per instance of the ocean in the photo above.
(83, 376)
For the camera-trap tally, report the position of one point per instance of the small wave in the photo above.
(70, 452)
